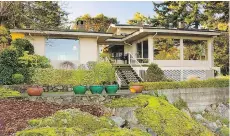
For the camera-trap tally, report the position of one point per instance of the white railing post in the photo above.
(137, 63)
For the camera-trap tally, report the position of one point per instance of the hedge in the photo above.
(213, 82)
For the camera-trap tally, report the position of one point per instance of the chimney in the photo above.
(80, 25)
(181, 24)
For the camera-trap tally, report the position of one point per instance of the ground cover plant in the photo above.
(162, 117)
(74, 122)
(5, 93)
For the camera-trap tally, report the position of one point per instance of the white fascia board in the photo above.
(114, 40)
(61, 33)
(181, 32)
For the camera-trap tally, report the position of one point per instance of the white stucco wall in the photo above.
(39, 44)
(89, 50)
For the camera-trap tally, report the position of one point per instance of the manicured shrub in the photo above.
(154, 73)
(162, 117)
(34, 61)
(17, 78)
(103, 72)
(212, 82)
(49, 76)
(23, 45)
(4, 93)
(8, 64)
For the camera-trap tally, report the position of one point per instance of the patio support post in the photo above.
(181, 58)
(150, 48)
(210, 53)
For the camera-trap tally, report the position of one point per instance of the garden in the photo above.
(26, 110)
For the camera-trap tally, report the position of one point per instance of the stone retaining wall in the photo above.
(46, 88)
(77, 99)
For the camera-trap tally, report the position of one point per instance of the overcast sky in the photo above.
(123, 10)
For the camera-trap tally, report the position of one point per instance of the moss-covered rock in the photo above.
(162, 117)
(4, 93)
(73, 122)
(73, 118)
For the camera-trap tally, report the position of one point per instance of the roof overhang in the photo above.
(176, 32)
(101, 37)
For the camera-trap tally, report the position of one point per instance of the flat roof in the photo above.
(61, 32)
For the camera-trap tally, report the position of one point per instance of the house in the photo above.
(179, 52)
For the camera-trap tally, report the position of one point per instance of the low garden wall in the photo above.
(46, 88)
(76, 99)
(197, 99)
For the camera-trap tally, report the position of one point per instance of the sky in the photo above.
(123, 10)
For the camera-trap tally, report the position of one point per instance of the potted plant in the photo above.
(79, 76)
(35, 90)
(136, 88)
(97, 75)
(112, 86)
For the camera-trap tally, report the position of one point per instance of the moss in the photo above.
(213, 118)
(73, 118)
(163, 117)
(50, 131)
(224, 131)
(120, 132)
(4, 93)
(180, 104)
(73, 122)
(124, 102)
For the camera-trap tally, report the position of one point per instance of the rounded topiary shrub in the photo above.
(17, 78)
(154, 73)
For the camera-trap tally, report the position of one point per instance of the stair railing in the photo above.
(116, 75)
(133, 61)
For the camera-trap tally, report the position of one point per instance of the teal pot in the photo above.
(79, 89)
(111, 89)
(96, 89)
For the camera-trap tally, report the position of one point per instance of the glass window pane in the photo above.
(166, 49)
(62, 49)
(195, 49)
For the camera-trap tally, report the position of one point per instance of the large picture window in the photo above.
(62, 49)
(166, 49)
(195, 49)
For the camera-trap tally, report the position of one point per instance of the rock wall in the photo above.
(46, 88)
(197, 98)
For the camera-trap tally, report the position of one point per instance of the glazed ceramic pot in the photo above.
(96, 89)
(111, 89)
(79, 89)
(136, 88)
(35, 91)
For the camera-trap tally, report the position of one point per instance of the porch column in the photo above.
(150, 48)
(210, 53)
(134, 49)
(181, 58)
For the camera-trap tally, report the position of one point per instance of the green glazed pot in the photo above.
(79, 89)
(96, 89)
(111, 89)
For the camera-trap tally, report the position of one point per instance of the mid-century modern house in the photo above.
(179, 52)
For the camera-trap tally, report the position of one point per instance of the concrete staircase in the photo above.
(126, 75)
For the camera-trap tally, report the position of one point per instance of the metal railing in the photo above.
(116, 75)
(135, 63)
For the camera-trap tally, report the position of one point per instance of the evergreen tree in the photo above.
(32, 14)
(154, 73)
